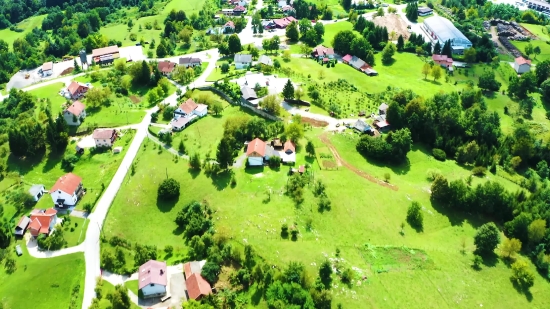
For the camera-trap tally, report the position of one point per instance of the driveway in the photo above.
(177, 290)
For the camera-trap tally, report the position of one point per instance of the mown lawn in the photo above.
(332, 29)
(544, 47)
(26, 25)
(132, 285)
(46, 283)
(74, 231)
(539, 30)
(217, 73)
(51, 92)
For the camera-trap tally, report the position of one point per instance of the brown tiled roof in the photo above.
(239, 8)
(521, 60)
(230, 24)
(74, 86)
(197, 286)
(289, 146)
(103, 133)
(444, 58)
(256, 146)
(186, 60)
(323, 51)
(105, 51)
(40, 221)
(152, 272)
(76, 108)
(189, 106)
(47, 66)
(166, 66)
(67, 183)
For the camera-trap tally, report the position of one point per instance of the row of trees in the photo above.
(311, 35)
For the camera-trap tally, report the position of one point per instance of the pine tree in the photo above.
(400, 43)
(437, 48)
(447, 49)
(288, 90)
(224, 155)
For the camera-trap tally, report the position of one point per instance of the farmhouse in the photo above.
(362, 126)
(189, 108)
(346, 59)
(288, 155)
(67, 190)
(75, 113)
(229, 27)
(248, 93)
(282, 23)
(105, 55)
(322, 52)
(443, 60)
(257, 151)
(197, 286)
(357, 63)
(42, 221)
(242, 61)
(104, 137)
(190, 62)
(522, 65)
(47, 69)
(166, 67)
(442, 30)
(76, 90)
(265, 60)
(21, 226)
(239, 10)
(153, 279)
(36, 191)
(425, 11)
(380, 122)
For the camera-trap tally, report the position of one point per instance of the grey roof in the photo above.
(187, 60)
(242, 58)
(424, 10)
(35, 189)
(445, 30)
(270, 151)
(265, 60)
(361, 125)
(248, 93)
(383, 107)
(356, 62)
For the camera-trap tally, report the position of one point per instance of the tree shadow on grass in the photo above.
(254, 170)
(22, 165)
(221, 180)
(257, 296)
(194, 172)
(400, 169)
(489, 94)
(431, 81)
(178, 231)
(522, 290)
(166, 206)
(489, 259)
(389, 63)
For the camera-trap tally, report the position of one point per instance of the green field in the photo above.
(74, 231)
(332, 29)
(26, 25)
(539, 30)
(47, 283)
(107, 288)
(132, 285)
(544, 47)
(51, 92)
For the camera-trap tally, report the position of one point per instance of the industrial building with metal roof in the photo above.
(442, 30)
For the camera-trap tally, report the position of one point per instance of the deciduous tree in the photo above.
(487, 238)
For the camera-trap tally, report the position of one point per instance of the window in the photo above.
(152, 284)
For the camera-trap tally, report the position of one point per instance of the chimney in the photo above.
(161, 272)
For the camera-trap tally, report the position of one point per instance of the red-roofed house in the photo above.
(282, 23)
(104, 137)
(522, 65)
(76, 90)
(238, 10)
(189, 108)
(346, 59)
(42, 221)
(166, 67)
(322, 52)
(288, 155)
(153, 279)
(443, 60)
(255, 152)
(75, 113)
(67, 190)
(229, 27)
(197, 287)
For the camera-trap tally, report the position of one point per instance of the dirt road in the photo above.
(342, 162)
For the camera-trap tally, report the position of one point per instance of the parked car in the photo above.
(18, 250)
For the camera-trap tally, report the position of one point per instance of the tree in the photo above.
(119, 297)
(437, 48)
(440, 189)
(487, 238)
(536, 51)
(96, 97)
(274, 43)
(288, 90)
(254, 52)
(426, 70)
(224, 154)
(225, 67)
(294, 132)
(286, 55)
(542, 71)
(522, 275)
(271, 104)
(181, 147)
(310, 148)
(414, 216)
(304, 24)
(342, 42)
(487, 81)
(325, 273)
(292, 32)
(266, 44)
(320, 30)
(360, 47)
(234, 44)
(217, 107)
(346, 4)
(529, 49)
(57, 133)
(400, 43)
(195, 161)
(168, 189)
(388, 52)
(537, 230)
(470, 55)
(210, 271)
(510, 247)
(436, 72)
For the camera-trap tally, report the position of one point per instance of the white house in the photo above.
(76, 90)
(242, 61)
(190, 62)
(47, 69)
(288, 155)
(522, 65)
(265, 60)
(189, 108)
(75, 113)
(67, 190)
(36, 191)
(153, 279)
(104, 137)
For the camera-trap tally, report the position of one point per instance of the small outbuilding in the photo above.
(383, 108)
(522, 65)
(362, 126)
(21, 226)
(425, 11)
(36, 191)
(265, 60)
(47, 69)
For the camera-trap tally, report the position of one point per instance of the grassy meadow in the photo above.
(544, 47)
(26, 25)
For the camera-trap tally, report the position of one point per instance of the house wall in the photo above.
(242, 65)
(103, 142)
(255, 161)
(47, 73)
(176, 128)
(53, 222)
(153, 291)
(69, 119)
(188, 65)
(36, 198)
(522, 68)
(201, 114)
(70, 200)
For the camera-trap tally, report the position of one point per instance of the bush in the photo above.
(284, 230)
(432, 173)
(439, 154)
(479, 171)
(68, 162)
(274, 162)
(414, 216)
(169, 189)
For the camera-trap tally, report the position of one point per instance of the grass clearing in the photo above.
(50, 281)
(539, 30)
(107, 288)
(51, 92)
(544, 47)
(26, 25)
(132, 285)
(332, 29)
(74, 231)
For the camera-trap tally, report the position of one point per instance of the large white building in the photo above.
(442, 30)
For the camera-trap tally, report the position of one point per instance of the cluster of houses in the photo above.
(167, 67)
(65, 193)
(359, 64)
(379, 121)
(259, 152)
(186, 113)
(153, 278)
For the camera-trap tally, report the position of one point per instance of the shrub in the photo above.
(169, 189)
(439, 154)
(68, 162)
(274, 162)
(414, 215)
(284, 230)
(479, 171)
(476, 262)
(294, 232)
(432, 173)
(347, 275)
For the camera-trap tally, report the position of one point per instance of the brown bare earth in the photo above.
(352, 168)
(135, 99)
(393, 22)
(67, 71)
(315, 122)
(328, 164)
